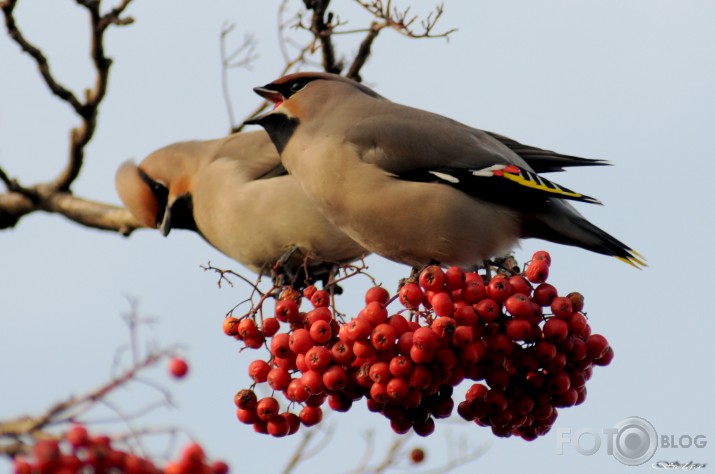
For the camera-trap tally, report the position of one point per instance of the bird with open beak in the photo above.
(417, 187)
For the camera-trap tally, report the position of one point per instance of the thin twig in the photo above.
(55, 196)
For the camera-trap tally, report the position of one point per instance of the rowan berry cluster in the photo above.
(77, 451)
(531, 349)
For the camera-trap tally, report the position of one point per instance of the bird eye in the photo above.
(296, 86)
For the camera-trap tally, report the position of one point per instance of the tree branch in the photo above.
(55, 195)
(42, 64)
(15, 205)
(322, 28)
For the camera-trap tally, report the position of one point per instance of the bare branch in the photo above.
(321, 25)
(42, 64)
(64, 411)
(241, 57)
(402, 21)
(15, 205)
(364, 51)
(55, 196)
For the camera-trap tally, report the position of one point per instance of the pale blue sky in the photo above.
(631, 82)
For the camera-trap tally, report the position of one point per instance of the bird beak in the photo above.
(270, 95)
(165, 225)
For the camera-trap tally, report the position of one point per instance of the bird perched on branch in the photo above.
(235, 193)
(417, 187)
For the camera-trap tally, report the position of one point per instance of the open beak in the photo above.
(268, 94)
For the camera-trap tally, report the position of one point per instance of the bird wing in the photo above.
(546, 161)
(416, 145)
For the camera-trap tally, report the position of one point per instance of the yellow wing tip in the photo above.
(635, 259)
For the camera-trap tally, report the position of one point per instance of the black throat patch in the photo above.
(280, 128)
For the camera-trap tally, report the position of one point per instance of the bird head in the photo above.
(300, 96)
(157, 192)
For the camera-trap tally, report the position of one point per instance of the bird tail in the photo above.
(565, 225)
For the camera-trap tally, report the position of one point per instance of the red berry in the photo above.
(293, 422)
(463, 335)
(444, 327)
(255, 341)
(309, 291)
(420, 377)
(296, 391)
(606, 358)
(320, 298)
(247, 328)
(312, 381)
(558, 382)
(278, 426)
(519, 284)
(411, 295)
(466, 316)
(219, 467)
(383, 337)
(380, 372)
(432, 278)
(454, 278)
(488, 310)
(544, 294)
(474, 291)
(278, 378)
(335, 378)
(519, 306)
(518, 329)
(400, 324)
(417, 455)
(400, 366)
(596, 346)
(442, 304)
(424, 428)
(499, 289)
(358, 328)
(230, 326)
(425, 339)
(178, 368)
(577, 300)
(77, 436)
(375, 313)
(364, 349)
(542, 256)
(556, 330)
(561, 307)
(544, 351)
(266, 408)
(377, 293)
(397, 388)
(321, 332)
(287, 311)
(318, 358)
(401, 426)
(299, 342)
(245, 399)
(537, 271)
(258, 370)
(342, 353)
(270, 327)
(311, 416)
(280, 345)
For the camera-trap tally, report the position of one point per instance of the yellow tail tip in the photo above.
(635, 259)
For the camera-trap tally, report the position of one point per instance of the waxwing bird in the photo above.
(235, 193)
(417, 187)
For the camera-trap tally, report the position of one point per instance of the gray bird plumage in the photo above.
(417, 187)
(236, 194)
